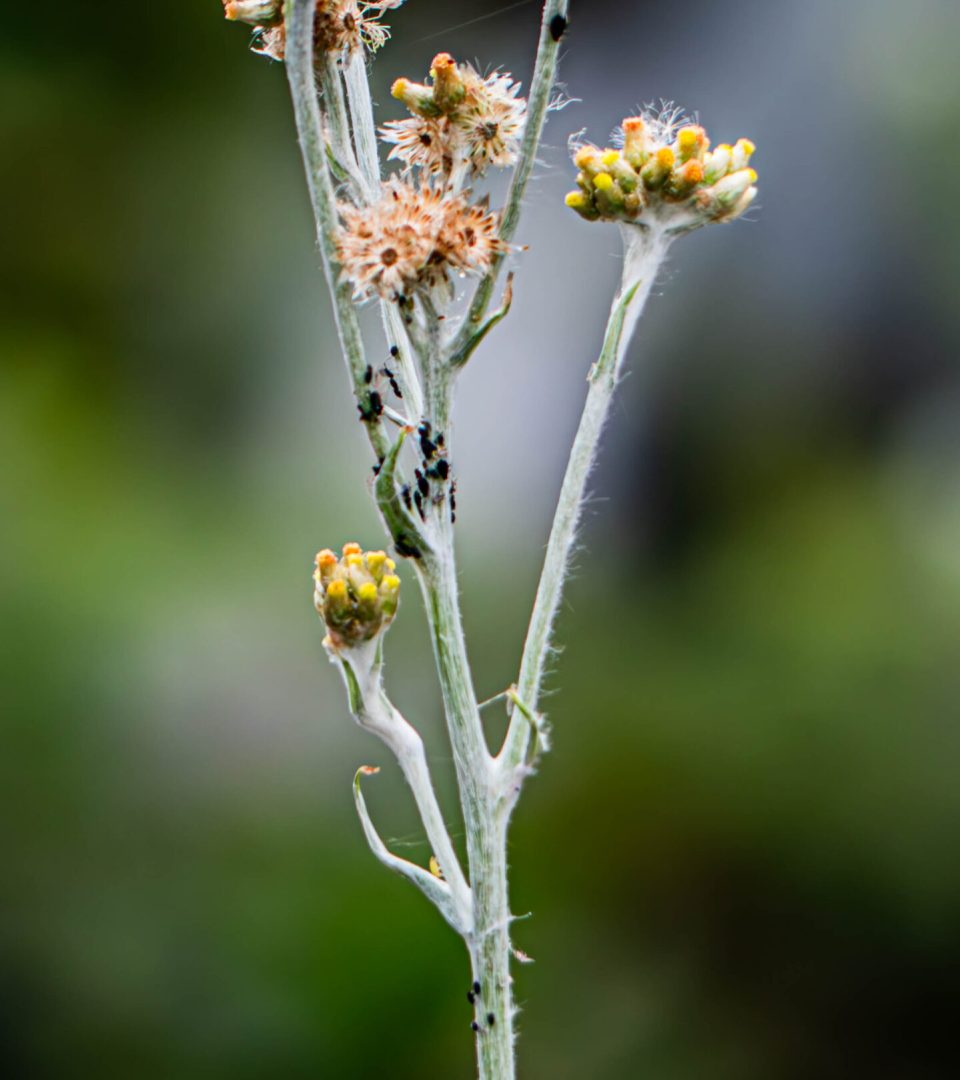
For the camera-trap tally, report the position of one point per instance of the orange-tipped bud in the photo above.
(354, 596)
(254, 12)
(635, 142)
(449, 88)
(654, 174)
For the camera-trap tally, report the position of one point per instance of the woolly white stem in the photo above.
(375, 712)
(363, 125)
(338, 122)
(643, 256)
(303, 92)
(361, 109)
(438, 892)
(538, 104)
(485, 810)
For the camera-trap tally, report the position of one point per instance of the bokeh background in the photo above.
(741, 857)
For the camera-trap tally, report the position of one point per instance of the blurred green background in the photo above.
(741, 857)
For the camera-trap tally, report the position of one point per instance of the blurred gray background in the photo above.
(741, 855)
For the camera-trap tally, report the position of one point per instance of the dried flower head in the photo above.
(412, 239)
(422, 142)
(356, 595)
(492, 119)
(458, 119)
(339, 25)
(663, 172)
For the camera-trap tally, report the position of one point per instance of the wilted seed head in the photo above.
(663, 173)
(412, 239)
(458, 118)
(339, 25)
(356, 595)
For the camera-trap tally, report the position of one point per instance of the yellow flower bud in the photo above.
(742, 153)
(581, 202)
(353, 596)
(692, 143)
(717, 164)
(337, 590)
(375, 561)
(658, 168)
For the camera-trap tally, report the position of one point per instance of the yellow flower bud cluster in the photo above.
(356, 595)
(659, 169)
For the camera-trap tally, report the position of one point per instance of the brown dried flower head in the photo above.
(339, 25)
(459, 120)
(412, 239)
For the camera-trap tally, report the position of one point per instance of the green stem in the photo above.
(538, 104)
(644, 254)
(303, 91)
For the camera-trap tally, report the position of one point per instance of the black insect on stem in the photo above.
(394, 351)
(372, 409)
(407, 500)
(471, 997)
(491, 1019)
(406, 549)
(474, 1026)
(422, 483)
(368, 375)
(558, 27)
(476, 988)
(418, 499)
(394, 385)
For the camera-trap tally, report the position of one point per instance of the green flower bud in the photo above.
(449, 88)
(357, 595)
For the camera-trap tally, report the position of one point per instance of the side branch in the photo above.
(437, 891)
(374, 712)
(552, 28)
(645, 253)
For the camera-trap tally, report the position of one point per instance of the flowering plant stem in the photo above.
(660, 183)
(486, 788)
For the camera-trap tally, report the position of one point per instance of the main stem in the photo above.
(484, 814)
(485, 810)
